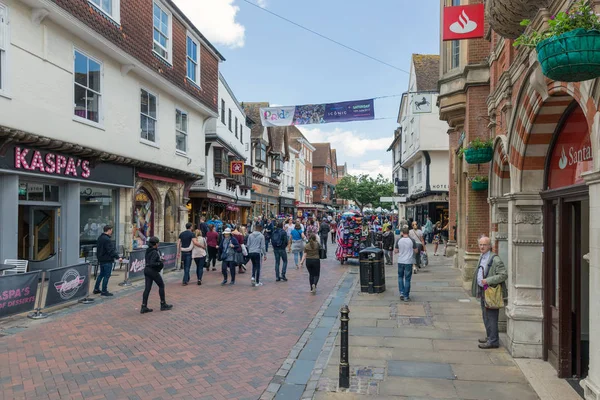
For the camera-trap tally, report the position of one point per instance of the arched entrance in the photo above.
(170, 216)
(143, 217)
(566, 234)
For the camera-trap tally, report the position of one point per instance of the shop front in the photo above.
(53, 206)
(422, 205)
(210, 205)
(287, 206)
(264, 201)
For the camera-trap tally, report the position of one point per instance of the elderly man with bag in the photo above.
(489, 286)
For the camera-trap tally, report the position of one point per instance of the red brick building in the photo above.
(324, 174)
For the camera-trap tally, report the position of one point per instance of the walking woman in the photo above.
(228, 247)
(212, 240)
(416, 234)
(333, 227)
(154, 264)
(298, 239)
(313, 262)
(199, 254)
(437, 237)
(239, 257)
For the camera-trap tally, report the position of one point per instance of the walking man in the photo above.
(324, 229)
(406, 249)
(279, 240)
(256, 250)
(428, 230)
(490, 272)
(388, 244)
(184, 248)
(106, 253)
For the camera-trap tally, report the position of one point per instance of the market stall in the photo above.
(352, 236)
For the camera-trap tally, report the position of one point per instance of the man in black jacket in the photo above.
(388, 245)
(154, 264)
(106, 253)
(324, 229)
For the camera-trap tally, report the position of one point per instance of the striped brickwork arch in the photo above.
(500, 168)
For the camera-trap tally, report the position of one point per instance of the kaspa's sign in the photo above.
(464, 22)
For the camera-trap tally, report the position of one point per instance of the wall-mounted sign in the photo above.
(421, 103)
(236, 168)
(401, 187)
(464, 22)
(290, 189)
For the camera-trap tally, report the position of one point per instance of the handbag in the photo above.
(493, 298)
(424, 259)
(244, 250)
(322, 254)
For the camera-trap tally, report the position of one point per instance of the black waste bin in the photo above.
(372, 270)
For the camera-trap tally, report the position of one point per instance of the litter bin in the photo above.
(372, 270)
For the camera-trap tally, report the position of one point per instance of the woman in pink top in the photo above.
(212, 240)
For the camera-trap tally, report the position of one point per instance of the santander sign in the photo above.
(464, 22)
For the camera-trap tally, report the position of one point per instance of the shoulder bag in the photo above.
(493, 294)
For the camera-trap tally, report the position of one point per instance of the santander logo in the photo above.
(464, 24)
(574, 157)
(562, 162)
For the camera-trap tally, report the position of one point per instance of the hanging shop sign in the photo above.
(401, 187)
(359, 110)
(290, 189)
(464, 22)
(67, 284)
(421, 103)
(17, 293)
(49, 163)
(236, 168)
(572, 153)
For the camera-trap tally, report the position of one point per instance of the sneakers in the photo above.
(224, 282)
(145, 310)
(232, 283)
(278, 280)
(313, 288)
(184, 284)
(283, 278)
(415, 270)
(165, 306)
(401, 297)
(406, 299)
(253, 283)
(252, 279)
(199, 283)
(106, 294)
(259, 284)
(96, 291)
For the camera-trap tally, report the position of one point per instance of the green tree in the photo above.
(364, 190)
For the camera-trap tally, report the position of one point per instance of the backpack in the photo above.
(278, 238)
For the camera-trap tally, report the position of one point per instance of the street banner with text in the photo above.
(18, 293)
(359, 110)
(67, 284)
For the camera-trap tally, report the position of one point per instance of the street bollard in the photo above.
(344, 348)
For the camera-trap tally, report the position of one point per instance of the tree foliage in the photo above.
(364, 190)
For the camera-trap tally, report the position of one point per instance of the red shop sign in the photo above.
(572, 153)
(464, 22)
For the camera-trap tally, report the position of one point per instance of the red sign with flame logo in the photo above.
(236, 168)
(464, 22)
(572, 153)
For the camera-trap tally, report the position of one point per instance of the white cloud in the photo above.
(262, 3)
(371, 167)
(216, 19)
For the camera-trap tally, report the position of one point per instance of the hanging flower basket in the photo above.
(479, 156)
(571, 57)
(479, 185)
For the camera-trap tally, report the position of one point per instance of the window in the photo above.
(223, 111)
(162, 32)
(455, 54)
(236, 127)
(87, 75)
(181, 130)
(229, 124)
(98, 207)
(108, 7)
(3, 46)
(148, 116)
(218, 161)
(419, 172)
(411, 176)
(192, 60)
(241, 134)
(38, 192)
(261, 153)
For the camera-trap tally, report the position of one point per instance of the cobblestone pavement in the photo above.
(217, 342)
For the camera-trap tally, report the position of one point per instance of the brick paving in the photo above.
(217, 342)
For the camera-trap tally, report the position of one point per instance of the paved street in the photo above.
(425, 349)
(217, 342)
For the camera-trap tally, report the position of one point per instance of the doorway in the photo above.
(39, 239)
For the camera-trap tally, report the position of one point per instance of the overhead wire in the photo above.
(326, 37)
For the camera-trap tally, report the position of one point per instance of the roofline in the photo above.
(305, 141)
(235, 100)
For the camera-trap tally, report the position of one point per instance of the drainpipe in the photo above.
(427, 164)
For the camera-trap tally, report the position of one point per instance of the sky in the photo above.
(271, 60)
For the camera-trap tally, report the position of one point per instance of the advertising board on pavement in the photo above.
(18, 293)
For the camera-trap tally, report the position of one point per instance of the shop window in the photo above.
(261, 153)
(162, 32)
(97, 208)
(88, 89)
(143, 218)
(148, 117)
(181, 130)
(108, 7)
(29, 191)
(236, 127)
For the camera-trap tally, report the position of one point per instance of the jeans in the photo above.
(324, 242)
(231, 266)
(105, 272)
(490, 320)
(418, 255)
(404, 277)
(388, 256)
(298, 257)
(200, 262)
(267, 240)
(255, 258)
(186, 259)
(279, 255)
(152, 275)
(212, 256)
(333, 237)
(313, 266)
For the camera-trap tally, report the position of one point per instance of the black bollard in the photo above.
(344, 348)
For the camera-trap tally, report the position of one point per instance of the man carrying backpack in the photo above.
(279, 240)
(324, 229)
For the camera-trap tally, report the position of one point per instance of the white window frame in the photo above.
(115, 15)
(146, 141)
(169, 48)
(196, 62)
(419, 169)
(186, 133)
(4, 51)
(100, 123)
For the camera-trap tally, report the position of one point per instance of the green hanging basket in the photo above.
(479, 156)
(479, 186)
(571, 57)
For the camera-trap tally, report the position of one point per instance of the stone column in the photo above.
(525, 240)
(591, 384)
(499, 236)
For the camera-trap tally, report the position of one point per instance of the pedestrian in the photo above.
(268, 231)
(212, 240)
(289, 227)
(279, 240)
(154, 264)
(324, 229)
(313, 262)
(311, 228)
(184, 248)
(437, 237)
(227, 248)
(106, 254)
(203, 226)
(240, 261)
(406, 249)
(199, 254)
(416, 234)
(333, 228)
(257, 251)
(428, 230)
(490, 273)
(388, 245)
(298, 239)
